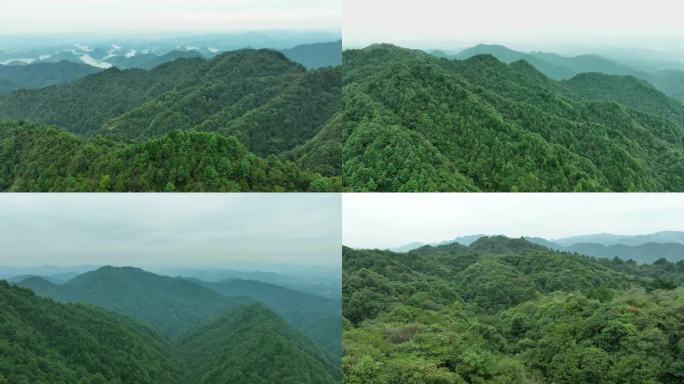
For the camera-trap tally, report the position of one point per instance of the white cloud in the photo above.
(94, 62)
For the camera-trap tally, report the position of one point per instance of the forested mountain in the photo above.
(253, 345)
(252, 121)
(317, 55)
(211, 337)
(317, 317)
(13, 77)
(44, 342)
(415, 122)
(170, 305)
(508, 311)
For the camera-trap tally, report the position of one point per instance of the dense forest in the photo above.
(210, 336)
(248, 120)
(34, 158)
(509, 311)
(417, 122)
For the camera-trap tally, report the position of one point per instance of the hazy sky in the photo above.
(521, 23)
(170, 229)
(390, 220)
(41, 16)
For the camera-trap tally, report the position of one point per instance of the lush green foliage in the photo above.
(253, 345)
(44, 342)
(250, 120)
(35, 158)
(508, 311)
(269, 102)
(415, 122)
(39, 75)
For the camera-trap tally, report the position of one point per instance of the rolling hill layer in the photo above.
(416, 122)
(509, 311)
(560, 67)
(170, 305)
(250, 106)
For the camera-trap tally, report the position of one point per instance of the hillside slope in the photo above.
(45, 342)
(253, 345)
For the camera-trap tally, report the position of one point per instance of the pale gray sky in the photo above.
(59, 16)
(390, 220)
(524, 24)
(170, 229)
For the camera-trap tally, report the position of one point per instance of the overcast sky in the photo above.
(391, 220)
(524, 24)
(59, 16)
(170, 229)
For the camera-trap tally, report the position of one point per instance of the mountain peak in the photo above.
(502, 244)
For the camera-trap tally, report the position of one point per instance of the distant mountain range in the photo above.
(265, 331)
(69, 65)
(647, 249)
(563, 68)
